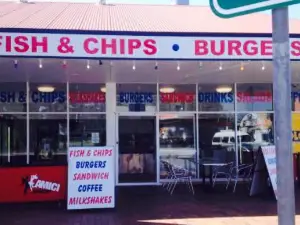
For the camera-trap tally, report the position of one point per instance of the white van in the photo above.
(227, 138)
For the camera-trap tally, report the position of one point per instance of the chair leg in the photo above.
(191, 185)
(174, 186)
(235, 182)
(214, 179)
(228, 182)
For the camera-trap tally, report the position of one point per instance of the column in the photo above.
(111, 106)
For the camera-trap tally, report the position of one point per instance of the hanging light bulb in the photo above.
(220, 66)
(263, 66)
(40, 64)
(242, 68)
(156, 66)
(178, 66)
(133, 66)
(200, 65)
(64, 64)
(111, 63)
(88, 64)
(16, 64)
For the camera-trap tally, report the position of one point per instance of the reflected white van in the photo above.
(227, 138)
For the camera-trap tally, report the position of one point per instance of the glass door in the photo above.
(137, 149)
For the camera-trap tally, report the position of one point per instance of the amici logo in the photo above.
(32, 183)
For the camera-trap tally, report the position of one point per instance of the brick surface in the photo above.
(137, 206)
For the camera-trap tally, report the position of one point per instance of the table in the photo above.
(209, 164)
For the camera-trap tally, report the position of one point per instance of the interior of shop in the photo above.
(170, 111)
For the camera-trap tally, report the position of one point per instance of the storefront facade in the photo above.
(151, 95)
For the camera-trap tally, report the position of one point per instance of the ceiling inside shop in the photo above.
(122, 71)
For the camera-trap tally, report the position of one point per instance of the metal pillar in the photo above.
(282, 109)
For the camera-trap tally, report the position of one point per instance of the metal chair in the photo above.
(222, 171)
(243, 172)
(175, 175)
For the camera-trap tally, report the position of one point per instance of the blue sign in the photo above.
(136, 97)
(36, 97)
(215, 97)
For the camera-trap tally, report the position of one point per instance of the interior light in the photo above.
(156, 66)
(178, 67)
(200, 65)
(220, 67)
(103, 89)
(64, 64)
(46, 88)
(100, 62)
(133, 66)
(224, 89)
(16, 63)
(88, 65)
(167, 90)
(242, 68)
(263, 66)
(40, 64)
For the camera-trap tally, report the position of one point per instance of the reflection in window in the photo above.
(47, 98)
(136, 97)
(177, 98)
(87, 130)
(211, 100)
(255, 130)
(177, 142)
(13, 97)
(13, 139)
(87, 97)
(254, 97)
(295, 98)
(48, 139)
(137, 149)
(217, 137)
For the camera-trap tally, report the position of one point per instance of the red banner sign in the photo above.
(30, 184)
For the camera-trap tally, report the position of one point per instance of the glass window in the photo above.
(254, 97)
(177, 97)
(13, 139)
(87, 130)
(87, 97)
(47, 98)
(177, 142)
(137, 149)
(216, 98)
(48, 139)
(13, 97)
(295, 97)
(296, 131)
(136, 97)
(217, 137)
(254, 130)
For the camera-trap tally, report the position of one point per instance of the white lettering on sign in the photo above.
(36, 183)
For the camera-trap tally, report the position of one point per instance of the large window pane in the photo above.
(177, 97)
(217, 137)
(47, 98)
(48, 139)
(87, 97)
(216, 97)
(136, 97)
(13, 140)
(137, 149)
(295, 98)
(177, 142)
(87, 130)
(254, 97)
(13, 97)
(255, 130)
